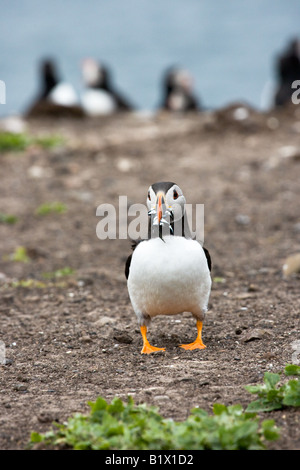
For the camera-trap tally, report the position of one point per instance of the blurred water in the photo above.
(229, 46)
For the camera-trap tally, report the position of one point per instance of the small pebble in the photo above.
(242, 219)
(20, 388)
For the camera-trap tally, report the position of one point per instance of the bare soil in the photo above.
(70, 339)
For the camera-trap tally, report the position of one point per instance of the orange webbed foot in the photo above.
(147, 348)
(195, 345)
(198, 343)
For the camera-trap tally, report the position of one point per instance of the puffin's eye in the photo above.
(149, 197)
(175, 194)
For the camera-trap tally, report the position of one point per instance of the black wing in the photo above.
(122, 103)
(127, 265)
(208, 258)
(134, 244)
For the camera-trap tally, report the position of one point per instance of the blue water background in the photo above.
(228, 45)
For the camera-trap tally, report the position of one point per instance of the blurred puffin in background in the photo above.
(178, 92)
(56, 97)
(99, 96)
(288, 70)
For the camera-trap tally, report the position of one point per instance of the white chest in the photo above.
(64, 95)
(169, 277)
(98, 102)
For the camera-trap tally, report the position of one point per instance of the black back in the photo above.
(105, 83)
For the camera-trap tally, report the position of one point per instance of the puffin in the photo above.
(169, 272)
(54, 89)
(99, 96)
(288, 70)
(178, 93)
(56, 97)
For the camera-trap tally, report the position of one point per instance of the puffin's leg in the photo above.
(147, 348)
(197, 344)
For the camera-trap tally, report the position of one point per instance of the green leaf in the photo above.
(99, 404)
(36, 437)
(271, 379)
(292, 369)
(218, 409)
(270, 431)
(263, 405)
(271, 397)
(116, 406)
(292, 393)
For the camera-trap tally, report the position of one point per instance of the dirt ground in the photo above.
(70, 339)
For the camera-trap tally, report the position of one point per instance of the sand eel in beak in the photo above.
(169, 273)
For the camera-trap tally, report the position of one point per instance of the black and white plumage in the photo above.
(169, 273)
(100, 97)
(53, 89)
(56, 97)
(178, 92)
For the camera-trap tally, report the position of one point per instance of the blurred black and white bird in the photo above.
(99, 96)
(178, 91)
(55, 97)
(288, 71)
(53, 88)
(169, 273)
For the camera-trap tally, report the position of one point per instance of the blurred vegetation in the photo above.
(20, 255)
(10, 141)
(63, 272)
(29, 284)
(51, 207)
(8, 218)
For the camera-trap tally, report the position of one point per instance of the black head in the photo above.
(49, 76)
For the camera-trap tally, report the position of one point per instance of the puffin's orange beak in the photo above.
(159, 206)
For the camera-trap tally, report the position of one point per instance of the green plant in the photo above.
(49, 141)
(129, 426)
(8, 218)
(29, 284)
(20, 255)
(10, 141)
(271, 396)
(219, 280)
(59, 273)
(51, 207)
